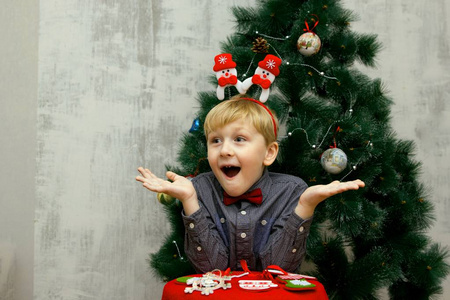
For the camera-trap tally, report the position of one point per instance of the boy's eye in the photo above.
(240, 139)
(215, 140)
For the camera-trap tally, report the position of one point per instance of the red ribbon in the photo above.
(266, 274)
(244, 266)
(338, 129)
(307, 25)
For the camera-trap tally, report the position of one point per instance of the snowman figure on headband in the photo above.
(264, 76)
(226, 74)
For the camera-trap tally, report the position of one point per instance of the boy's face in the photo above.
(237, 154)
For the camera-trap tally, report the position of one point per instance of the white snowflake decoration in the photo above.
(270, 64)
(209, 282)
(222, 60)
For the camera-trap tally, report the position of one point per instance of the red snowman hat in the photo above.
(271, 63)
(223, 61)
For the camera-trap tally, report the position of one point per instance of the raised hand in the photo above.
(313, 195)
(178, 187)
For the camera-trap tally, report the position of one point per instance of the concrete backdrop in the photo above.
(90, 90)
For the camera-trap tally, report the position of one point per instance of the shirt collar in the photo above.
(264, 183)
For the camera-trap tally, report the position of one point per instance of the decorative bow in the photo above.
(254, 196)
(223, 81)
(264, 83)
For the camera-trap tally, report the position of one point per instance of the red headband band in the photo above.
(268, 110)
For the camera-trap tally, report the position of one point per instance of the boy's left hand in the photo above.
(313, 195)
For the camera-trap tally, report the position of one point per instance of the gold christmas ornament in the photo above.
(165, 199)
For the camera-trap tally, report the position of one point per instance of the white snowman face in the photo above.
(226, 73)
(264, 74)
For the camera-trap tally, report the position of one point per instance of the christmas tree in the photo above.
(336, 122)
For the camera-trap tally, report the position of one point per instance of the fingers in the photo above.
(350, 185)
(337, 187)
(356, 184)
(149, 180)
(172, 175)
(155, 184)
(146, 172)
(153, 187)
(360, 183)
(141, 170)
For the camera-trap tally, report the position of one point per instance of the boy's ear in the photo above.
(271, 154)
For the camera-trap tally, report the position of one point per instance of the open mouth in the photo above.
(230, 171)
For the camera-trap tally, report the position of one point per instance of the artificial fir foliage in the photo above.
(360, 241)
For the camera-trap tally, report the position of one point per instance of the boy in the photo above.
(271, 224)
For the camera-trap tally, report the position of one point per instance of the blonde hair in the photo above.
(239, 107)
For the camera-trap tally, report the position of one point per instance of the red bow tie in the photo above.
(264, 83)
(223, 81)
(254, 196)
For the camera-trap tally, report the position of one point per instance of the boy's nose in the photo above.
(227, 149)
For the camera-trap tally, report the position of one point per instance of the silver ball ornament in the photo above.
(308, 43)
(334, 160)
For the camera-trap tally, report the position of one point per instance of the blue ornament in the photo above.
(195, 125)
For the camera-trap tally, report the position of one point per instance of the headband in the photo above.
(226, 74)
(268, 110)
(264, 76)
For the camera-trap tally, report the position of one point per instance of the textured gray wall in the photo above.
(117, 84)
(414, 64)
(115, 89)
(18, 99)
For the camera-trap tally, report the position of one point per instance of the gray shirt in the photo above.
(219, 236)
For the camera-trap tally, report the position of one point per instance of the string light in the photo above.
(248, 69)
(178, 250)
(352, 102)
(314, 146)
(272, 37)
(275, 51)
(321, 73)
(355, 166)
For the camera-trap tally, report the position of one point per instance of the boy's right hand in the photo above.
(178, 187)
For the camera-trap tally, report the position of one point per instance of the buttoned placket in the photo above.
(243, 235)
